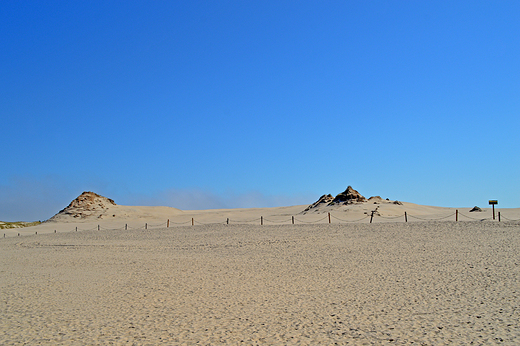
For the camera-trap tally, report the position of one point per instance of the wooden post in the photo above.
(98, 227)
(371, 216)
(329, 217)
(293, 220)
(54, 232)
(498, 216)
(145, 226)
(227, 221)
(493, 202)
(261, 220)
(405, 217)
(36, 233)
(456, 215)
(192, 222)
(76, 229)
(126, 226)
(168, 223)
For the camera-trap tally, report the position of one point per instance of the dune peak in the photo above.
(86, 205)
(349, 197)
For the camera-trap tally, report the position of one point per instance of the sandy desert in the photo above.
(147, 276)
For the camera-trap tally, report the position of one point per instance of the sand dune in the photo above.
(124, 277)
(91, 211)
(135, 217)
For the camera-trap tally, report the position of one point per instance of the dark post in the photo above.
(98, 227)
(126, 226)
(145, 226)
(498, 216)
(76, 229)
(329, 217)
(493, 202)
(227, 221)
(168, 223)
(405, 217)
(371, 216)
(456, 215)
(293, 220)
(192, 222)
(261, 220)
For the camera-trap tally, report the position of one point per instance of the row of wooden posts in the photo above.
(456, 216)
(262, 220)
(328, 215)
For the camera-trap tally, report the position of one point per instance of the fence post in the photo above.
(261, 220)
(192, 222)
(405, 217)
(498, 216)
(126, 226)
(371, 216)
(98, 227)
(227, 221)
(168, 223)
(146, 226)
(329, 217)
(456, 215)
(76, 229)
(293, 220)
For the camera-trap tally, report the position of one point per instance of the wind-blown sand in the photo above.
(421, 283)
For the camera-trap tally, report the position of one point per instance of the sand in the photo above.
(386, 283)
(136, 217)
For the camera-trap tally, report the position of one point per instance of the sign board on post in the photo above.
(493, 202)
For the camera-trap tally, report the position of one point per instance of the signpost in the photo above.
(493, 202)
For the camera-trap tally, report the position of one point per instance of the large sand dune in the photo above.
(91, 212)
(220, 277)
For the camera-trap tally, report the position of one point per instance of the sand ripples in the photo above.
(421, 283)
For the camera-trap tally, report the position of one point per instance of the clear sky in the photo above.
(211, 104)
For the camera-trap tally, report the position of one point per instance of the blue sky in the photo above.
(209, 104)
